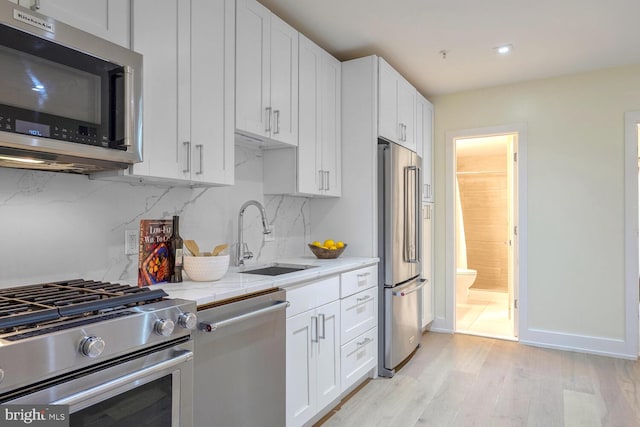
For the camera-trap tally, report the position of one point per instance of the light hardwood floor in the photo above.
(462, 380)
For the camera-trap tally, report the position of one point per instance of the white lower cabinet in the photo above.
(359, 356)
(313, 349)
(359, 320)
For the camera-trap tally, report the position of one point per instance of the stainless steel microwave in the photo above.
(69, 101)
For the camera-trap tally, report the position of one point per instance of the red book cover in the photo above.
(153, 254)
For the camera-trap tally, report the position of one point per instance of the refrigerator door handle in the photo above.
(410, 291)
(410, 214)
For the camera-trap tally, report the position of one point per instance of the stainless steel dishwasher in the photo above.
(239, 362)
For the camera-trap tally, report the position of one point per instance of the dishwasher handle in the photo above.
(210, 327)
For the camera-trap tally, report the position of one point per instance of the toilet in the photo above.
(464, 275)
(464, 279)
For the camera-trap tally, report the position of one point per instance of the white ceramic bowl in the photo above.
(205, 268)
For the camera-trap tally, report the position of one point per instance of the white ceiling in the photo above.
(550, 37)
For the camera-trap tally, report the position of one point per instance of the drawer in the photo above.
(358, 356)
(307, 296)
(358, 280)
(359, 313)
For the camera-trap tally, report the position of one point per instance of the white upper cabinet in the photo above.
(424, 142)
(396, 103)
(318, 169)
(108, 19)
(330, 129)
(266, 75)
(188, 90)
(211, 104)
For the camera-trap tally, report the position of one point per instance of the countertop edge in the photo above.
(235, 284)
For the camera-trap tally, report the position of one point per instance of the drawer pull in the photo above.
(363, 343)
(364, 298)
(362, 275)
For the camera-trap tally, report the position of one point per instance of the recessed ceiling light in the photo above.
(504, 49)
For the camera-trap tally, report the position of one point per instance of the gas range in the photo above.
(54, 333)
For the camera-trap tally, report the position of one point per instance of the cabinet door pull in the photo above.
(320, 180)
(199, 148)
(363, 342)
(187, 146)
(276, 119)
(268, 119)
(364, 298)
(314, 319)
(324, 326)
(327, 182)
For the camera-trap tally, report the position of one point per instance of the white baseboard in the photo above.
(439, 324)
(579, 343)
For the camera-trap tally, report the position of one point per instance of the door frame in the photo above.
(520, 220)
(631, 226)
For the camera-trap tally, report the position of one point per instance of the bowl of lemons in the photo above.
(329, 249)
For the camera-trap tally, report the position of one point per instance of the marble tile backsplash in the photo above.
(56, 226)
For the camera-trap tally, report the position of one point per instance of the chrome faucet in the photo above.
(243, 252)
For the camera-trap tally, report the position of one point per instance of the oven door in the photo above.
(153, 390)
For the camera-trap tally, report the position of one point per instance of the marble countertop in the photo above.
(234, 284)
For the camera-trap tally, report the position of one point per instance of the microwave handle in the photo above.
(126, 74)
(129, 110)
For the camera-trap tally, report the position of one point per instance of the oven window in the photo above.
(146, 406)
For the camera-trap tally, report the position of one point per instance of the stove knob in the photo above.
(187, 320)
(92, 346)
(164, 327)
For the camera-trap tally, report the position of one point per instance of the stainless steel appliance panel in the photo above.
(401, 184)
(402, 322)
(73, 102)
(399, 208)
(240, 363)
(112, 390)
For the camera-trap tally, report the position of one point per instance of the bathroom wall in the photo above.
(482, 179)
(56, 226)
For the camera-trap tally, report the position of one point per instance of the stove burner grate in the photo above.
(29, 306)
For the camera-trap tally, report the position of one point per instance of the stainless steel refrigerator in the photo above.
(399, 204)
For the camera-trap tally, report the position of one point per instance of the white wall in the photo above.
(575, 206)
(56, 226)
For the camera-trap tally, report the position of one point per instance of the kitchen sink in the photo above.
(278, 269)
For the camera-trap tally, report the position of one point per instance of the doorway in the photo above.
(482, 231)
(632, 220)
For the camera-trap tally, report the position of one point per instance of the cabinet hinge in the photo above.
(515, 230)
(515, 157)
(515, 303)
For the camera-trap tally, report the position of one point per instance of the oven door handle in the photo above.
(76, 398)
